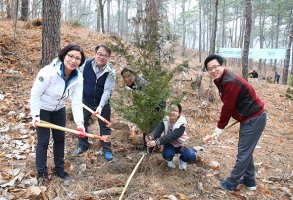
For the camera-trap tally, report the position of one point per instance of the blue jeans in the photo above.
(249, 134)
(187, 154)
(83, 143)
(58, 118)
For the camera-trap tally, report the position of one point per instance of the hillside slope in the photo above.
(91, 174)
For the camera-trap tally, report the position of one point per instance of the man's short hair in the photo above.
(211, 57)
(105, 47)
(127, 70)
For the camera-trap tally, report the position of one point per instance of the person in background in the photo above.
(54, 85)
(131, 80)
(174, 136)
(134, 82)
(99, 83)
(241, 103)
(253, 74)
(277, 77)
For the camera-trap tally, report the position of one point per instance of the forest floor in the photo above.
(91, 177)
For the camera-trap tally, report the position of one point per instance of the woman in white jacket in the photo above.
(55, 83)
(174, 135)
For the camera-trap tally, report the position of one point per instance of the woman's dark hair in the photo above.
(178, 105)
(211, 57)
(71, 47)
(125, 70)
(105, 47)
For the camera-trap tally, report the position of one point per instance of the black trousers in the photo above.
(58, 118)
(104, 130)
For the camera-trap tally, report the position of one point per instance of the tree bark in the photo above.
(108, 15)
(245, 52)
(183, 27)
(214, 29)
(287, 59)
(223, 45)
(51, 30)
(119, 17)
(24, 10)
(277, 39)
(200, 30)
(8, 9)
(102, 17)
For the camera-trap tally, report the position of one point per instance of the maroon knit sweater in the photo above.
(239, 99)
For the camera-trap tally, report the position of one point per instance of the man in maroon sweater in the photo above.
(241, 103)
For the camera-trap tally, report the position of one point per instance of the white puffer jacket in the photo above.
(180, 121)
(49, 93)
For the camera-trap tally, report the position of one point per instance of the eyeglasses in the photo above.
(102, 55)
(213, 67)
(72, 57)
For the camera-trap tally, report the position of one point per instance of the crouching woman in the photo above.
(171, 134)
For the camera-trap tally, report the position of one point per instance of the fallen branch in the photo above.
(130, 177)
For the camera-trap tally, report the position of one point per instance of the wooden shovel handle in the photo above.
(108, 124)
(46, 124)
(209, 137)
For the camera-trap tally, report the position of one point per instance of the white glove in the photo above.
(98, 110)
(35, 120)
(218, 132)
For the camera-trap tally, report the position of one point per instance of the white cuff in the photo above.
(99, 109)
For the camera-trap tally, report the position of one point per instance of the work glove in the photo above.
(35, 120)
(81, 129)
(98, 111)
(216, 135)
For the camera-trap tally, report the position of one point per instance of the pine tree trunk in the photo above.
(245, 52)
(24, 10)
(223, 45)
(214, 29)
(101, 6)
(108, 15)
(287, 59)
(200, 30)
(8, 9)
(51, 30)
(183, 27)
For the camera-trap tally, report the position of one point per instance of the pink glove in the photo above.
(81, 129)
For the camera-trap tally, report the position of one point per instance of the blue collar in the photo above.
(72, 74)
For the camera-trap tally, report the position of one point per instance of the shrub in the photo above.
(37, 22)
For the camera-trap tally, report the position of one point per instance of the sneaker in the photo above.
(249, 183)
(77, 151)
(182, 165)
(63, 175)
(227, 186)
(108, 155)
(171, 164)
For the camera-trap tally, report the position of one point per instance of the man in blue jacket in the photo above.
(99, 83)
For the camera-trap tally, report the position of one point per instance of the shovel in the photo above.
(45, 124)
(108, 124)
